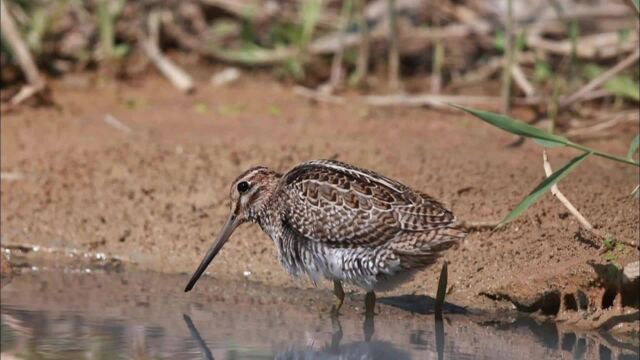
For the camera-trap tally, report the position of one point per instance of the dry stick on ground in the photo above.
(483, 72)
(594, 47)
(437, 59)
(572, 209)
(335, 78)
(601, 79)
(362, 64)
(394, 56)
(509, 57)
(21, 52)
(318, 96)
(521, 80)
(178, 77)
(117, 124)
(619, 118)
(435, 101)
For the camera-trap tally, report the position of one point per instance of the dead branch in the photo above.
(620, 118)
(36, 83)
(597, 46)
(178, 77)
(19, 48)
(601, 79)
(362, 64)
(521, 80)
(587, 11)
(318, 96)
(488, 69)
(394, 56)
(335, 78)
(509, 55)
(117, 124)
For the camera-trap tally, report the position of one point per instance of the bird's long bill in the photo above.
(229, 226)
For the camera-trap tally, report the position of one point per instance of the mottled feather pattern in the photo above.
(340, 222)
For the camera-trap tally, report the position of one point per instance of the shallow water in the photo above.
(137, 315)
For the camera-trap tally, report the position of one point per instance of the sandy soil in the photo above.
(157, 197)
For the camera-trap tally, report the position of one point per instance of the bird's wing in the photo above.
(337, 203)
(423, 213)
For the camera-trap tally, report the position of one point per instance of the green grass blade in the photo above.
(515, 126)
(633, 147)
(543, 187)
(309, 16)
(543, 138)
(547, 144)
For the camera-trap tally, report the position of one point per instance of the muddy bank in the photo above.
(155, 196)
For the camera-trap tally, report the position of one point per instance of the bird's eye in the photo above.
(243, 186)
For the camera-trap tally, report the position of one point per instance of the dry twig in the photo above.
(521, 80)
(335, 79)
(316, 95)
(23, 56)
(509, 54)
(620, 118)
(19, 48)
(117, 124)
(572, 209)
(178, 77)
(394, 55)
(601, 79)
(598, 46)
(362, 64)
(435, 101)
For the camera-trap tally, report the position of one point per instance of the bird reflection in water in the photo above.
(366, 349)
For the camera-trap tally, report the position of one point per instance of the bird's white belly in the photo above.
(337, 266)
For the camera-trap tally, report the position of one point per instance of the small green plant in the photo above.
(548, 140)
(285, 42)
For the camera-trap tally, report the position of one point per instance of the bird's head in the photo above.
(249, 195)
(250, 192)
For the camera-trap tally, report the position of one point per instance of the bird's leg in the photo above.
(369, 307)
(336, 337)
(368, 327)
(369, 303)
(339, 292)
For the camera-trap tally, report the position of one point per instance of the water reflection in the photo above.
(366, 349)
(134, 316)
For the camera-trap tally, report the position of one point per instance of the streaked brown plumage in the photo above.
(341, 222)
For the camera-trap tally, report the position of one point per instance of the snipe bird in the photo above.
(334, 220)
